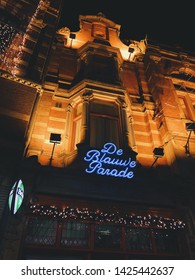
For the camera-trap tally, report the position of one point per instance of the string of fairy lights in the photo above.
(7, 58)
(12, 41)
(41, 6)
(7, 32)
(99, 216)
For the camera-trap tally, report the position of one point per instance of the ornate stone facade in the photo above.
(88, 88)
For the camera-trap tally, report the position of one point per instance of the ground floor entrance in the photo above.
(60, 228)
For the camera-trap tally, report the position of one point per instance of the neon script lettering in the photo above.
(109, 156)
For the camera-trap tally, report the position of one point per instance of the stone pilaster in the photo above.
(85, 117)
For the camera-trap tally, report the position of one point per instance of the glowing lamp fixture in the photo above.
(72, 36)
(189, 127)
(55, 138)
(157, 153)
(130, 50)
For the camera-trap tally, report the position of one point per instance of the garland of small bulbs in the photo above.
(99, 216)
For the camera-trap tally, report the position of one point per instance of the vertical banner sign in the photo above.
(16, 196)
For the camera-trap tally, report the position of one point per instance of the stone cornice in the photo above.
(21, 81)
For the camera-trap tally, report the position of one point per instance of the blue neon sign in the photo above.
(108, 162)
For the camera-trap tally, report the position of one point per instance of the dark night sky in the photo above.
(166, 22)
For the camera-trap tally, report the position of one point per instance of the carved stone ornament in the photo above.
(122, 103)
(64, 31)
(155, 58)
(69, 108)
(39, 23)
(139, 47)
(87, 95)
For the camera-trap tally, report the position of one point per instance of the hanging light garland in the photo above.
(7, 32)
(13, 42)
(7, 58)
(42, 6)
(99, 216)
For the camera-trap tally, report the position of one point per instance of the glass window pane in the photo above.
(75, 234)
(138, 239)
(107, 236)
(41, 231)
(107, 128)
(166, 241)
(109, 109)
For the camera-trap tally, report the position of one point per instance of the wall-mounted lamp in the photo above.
(72, 36)
(158, 153)
(130, 50)
(189, 127)
(55, 138)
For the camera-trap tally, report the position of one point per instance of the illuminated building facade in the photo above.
(101, 133)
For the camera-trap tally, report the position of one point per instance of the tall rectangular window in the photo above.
(104, 124)
(102, 130)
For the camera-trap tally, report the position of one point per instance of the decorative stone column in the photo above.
(85, 117)
(68, 125)
(32, 120)
(125, 129)
(131, 133)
